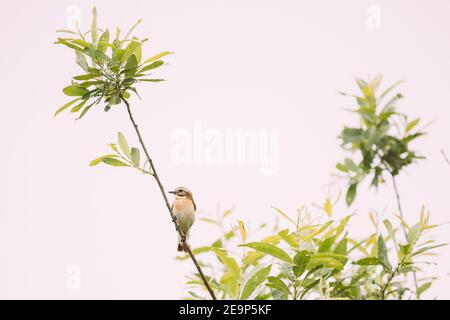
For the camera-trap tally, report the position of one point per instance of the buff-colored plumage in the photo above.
(184, 210)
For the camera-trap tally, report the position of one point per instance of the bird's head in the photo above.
(182, 193)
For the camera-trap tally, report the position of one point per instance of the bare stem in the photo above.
(390, 278)
(399, 206)
(445, 157)
(166, 200)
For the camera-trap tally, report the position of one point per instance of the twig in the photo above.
(403, 226)
(166, 200)
(389, 280)
(445, 157)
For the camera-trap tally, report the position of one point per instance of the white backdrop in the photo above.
(252, 65)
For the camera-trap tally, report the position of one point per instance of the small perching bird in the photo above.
(183, 208)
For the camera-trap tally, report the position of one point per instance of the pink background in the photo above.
(238, 64)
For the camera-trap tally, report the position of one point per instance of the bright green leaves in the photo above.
(381, 146)
(278, 284)
(133, 48)
(135, 157)
(301, 261)
(114, 162)
(411, 125)
(351, 194)
(157, 57)
(231, 276)
(113, 65)
(131, 66)
(75, 91)
(383, 253)
(81, 60)
(103, 43)
(94, 33)
(64, 107)
(153, 65)
(255, 281)
(269, 249)
(122, 156)
(123, 144)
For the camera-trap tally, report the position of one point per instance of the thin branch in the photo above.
(390, 278)
(445, 157)
(166, 200)
(399, 205)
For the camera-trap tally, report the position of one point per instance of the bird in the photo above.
(183, 208)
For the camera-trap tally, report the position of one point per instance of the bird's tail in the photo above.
(180, 247)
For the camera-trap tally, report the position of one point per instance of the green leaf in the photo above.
(413, 234)
(123, 145)
(152, 80)
(135, 157)
(423, 288)
(97, 55)
(75, 91)
(255, 280)
(68, 44)
(269, 249)
(318, 231)
(133, 48)
(301, 260)
(309, 287)
(157, 56)
(94, 25)
(391, 231)
(96, 161)
(278, 284)
(131, 30)
(411, 125)
(81, 60)
(114, 162)
(288, 238)
(383, 253)
(351, 194)
(285, 215)
(103, 42)
(325, 262)
(85, 77)
(339, 257)
(341, 247)
(64, 107)
(422, 250)
(154, 65)
(78, 106)
(341, 167)
(325, 245)
(85, 110)
(370, 261)
(131, 66)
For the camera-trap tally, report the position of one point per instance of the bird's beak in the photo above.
(172, 192)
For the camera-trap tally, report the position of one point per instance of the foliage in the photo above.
(315, 260)
(112, 67)
(125, 157)
(382, 139)
(308, 259)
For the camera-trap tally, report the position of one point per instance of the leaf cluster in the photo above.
(316, 260)
(112, 67)
(382, 139)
